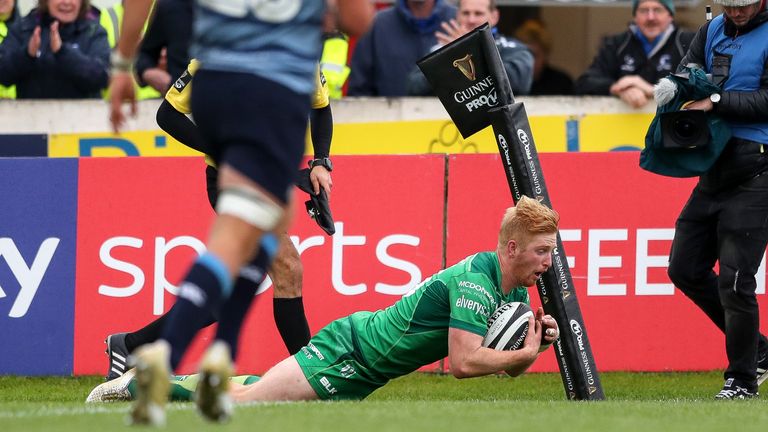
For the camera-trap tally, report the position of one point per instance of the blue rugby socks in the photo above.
(200, 297)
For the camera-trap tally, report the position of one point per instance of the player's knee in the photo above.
(250, 205)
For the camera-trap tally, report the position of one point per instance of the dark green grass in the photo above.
(635, 402)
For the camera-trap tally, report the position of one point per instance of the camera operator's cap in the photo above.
(736, 3)
(666, 3)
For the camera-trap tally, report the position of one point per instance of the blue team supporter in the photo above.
(399, 36)
(57, 51)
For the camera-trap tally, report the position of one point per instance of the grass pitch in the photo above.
(419, 402)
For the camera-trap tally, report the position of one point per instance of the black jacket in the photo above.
(170, 28)
(623, 54)
(79, 70)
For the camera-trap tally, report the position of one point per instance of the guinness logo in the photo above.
(466, 66)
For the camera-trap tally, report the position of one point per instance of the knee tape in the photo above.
(250, 205)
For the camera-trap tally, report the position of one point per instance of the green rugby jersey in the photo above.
(414, 331)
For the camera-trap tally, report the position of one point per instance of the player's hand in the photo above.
(121, 90)
(550, 330)
(55, 37)
(33, 46)
(320, 177)
(532, 341)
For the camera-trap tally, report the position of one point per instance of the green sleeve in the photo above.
(471, 302)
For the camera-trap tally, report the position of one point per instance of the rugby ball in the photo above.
(508, 326)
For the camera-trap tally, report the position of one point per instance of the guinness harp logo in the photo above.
(466, 66)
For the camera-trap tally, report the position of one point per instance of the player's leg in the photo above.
(288, 306)
(261, 150)
(182, 387)
(121, 345)
(259, 159)
(284, 382)
(216, 366)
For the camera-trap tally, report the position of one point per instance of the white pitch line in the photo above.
(75, 411)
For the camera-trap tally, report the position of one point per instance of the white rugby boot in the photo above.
(212, 399)
(152, 385)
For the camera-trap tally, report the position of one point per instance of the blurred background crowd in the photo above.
(59, 49)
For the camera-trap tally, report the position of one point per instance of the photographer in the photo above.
(726, 216)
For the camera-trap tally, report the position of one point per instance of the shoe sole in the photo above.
(152, 386)
(213, 401)
(112, 391)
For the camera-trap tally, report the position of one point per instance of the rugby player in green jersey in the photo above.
(445, 315)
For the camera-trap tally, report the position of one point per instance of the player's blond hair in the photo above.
(527, 219)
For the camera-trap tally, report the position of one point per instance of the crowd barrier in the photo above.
(92, 246)
(361, 126)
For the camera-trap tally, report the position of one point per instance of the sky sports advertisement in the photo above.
(37, 265)
(95, 246)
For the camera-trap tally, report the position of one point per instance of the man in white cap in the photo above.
(630, 63)
(726, 217)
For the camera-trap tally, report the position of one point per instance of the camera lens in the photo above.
(685, 128)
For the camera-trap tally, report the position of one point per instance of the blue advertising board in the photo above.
(37, 265)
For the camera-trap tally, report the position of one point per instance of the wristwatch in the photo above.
(714, 98)
(323, 162)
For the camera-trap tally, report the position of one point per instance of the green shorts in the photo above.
(334, 366)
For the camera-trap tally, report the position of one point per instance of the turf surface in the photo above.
(635, 402)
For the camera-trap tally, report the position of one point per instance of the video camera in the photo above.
(685, 129)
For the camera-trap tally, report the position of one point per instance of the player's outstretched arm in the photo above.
(468, 358)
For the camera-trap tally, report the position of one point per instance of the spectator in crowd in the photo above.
(725, 218)
(9, 13)
(111, 19)
(547, 80)
(517, 59)
(169, 32)
(57, 51)
(630, 63)
(399, 36)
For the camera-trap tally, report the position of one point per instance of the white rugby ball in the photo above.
(508, 326)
